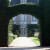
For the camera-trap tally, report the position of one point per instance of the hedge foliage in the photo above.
(41, 11)
(31, 29)
(14, 28)
(32, 26)
(31, 9)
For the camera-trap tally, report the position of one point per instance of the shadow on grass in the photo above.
(23, 48)
(47, 49)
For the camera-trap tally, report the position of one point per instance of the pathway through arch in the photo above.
(22, 42)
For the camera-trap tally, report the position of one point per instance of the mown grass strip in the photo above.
(11, 39)
(36, 40)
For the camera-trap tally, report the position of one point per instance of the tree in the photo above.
(31, 29)
(14, 28)
(41, 11)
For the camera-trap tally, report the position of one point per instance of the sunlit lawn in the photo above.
(36, 40)
(11, 39)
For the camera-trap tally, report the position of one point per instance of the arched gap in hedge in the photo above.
(27, 14)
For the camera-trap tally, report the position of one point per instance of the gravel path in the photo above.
(23, 43)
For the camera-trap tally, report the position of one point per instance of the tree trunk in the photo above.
(3, 31)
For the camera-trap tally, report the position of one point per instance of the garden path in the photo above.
(23, 43)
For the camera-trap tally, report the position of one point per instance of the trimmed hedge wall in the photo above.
(31, 9)
(41, 11)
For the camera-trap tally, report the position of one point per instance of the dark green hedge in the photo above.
(41, 11)
(31, 9)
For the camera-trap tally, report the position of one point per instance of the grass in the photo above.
(11, 39)
(36, 40)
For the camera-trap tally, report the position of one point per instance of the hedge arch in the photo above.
(41, 11)
(31, 9)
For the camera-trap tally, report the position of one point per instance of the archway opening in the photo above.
(25, 28)
(24, 25)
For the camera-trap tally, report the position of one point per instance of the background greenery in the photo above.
(31, 29)
(11, 36)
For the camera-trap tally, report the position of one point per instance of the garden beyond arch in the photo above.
(41, 11)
